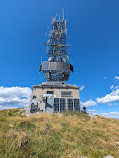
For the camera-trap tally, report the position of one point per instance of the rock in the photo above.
(27, 115)
(117, 143)
(60, 115)
(93, 116)
(108, 156)
(81, 156)
(11, 125)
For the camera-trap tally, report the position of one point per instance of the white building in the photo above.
(52, 97)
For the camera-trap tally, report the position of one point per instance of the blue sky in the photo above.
(93, 32)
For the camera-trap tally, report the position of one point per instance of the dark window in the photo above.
(56, 104)
(66, 94)
(33, 110)
(33, 106)
(71, 67)
(70, 104)
(40, 68)
(50, 92)
(62, 104)
(34, 97)
(76, 104)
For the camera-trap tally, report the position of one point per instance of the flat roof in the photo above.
(56, 84)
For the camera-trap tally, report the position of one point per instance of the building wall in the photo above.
(38, 92)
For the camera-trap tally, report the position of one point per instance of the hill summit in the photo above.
(66, 135)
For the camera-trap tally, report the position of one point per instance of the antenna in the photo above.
(59, 16)
(63, 13)
(53, 19)
(57, 52)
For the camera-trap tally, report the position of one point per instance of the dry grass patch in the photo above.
(57, 135)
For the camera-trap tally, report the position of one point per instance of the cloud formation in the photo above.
(111, 114)
(11, 97)
(82, 87)
(105, 77)
(112, 86)
(109, 98)
(91, 111)
(88, 103)
(116, 78)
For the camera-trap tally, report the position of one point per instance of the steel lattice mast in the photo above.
(55, 95)
(57, 68)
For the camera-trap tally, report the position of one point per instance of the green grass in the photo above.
(57, 136)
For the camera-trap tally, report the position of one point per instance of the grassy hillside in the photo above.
(53, 136)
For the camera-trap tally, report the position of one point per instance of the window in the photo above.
(50, 92)
(56, 104)
(33, 110)
(70, 104)
(33, 106)
(66, 93)
(34, 100)
(76, 104)
(34, 97)
(62, 104)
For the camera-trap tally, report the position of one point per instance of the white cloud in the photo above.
(88, 103)
(112, 97)
(116, 78)
(91, 110)
(111, 114)
(116, 87)
(82, 87)
(105, 77)
(8, 107)
(11, 97)
(112, 103)
(112, 86)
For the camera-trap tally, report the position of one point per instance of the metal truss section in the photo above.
(56, 75)
(57, 68)
(56, 45)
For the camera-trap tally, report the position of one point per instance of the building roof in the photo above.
(56, 84)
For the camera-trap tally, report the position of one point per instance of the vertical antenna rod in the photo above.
(63, 13)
